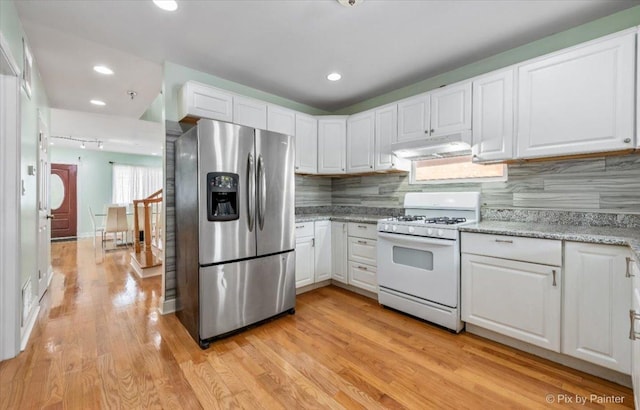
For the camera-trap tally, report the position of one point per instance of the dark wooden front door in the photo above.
(63, 200)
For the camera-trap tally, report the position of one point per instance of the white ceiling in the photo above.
(118, 134)
(283, 47)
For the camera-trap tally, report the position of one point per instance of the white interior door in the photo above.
(10, 203)
(44, 221)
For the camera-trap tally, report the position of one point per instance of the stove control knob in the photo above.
(395, 228)
(429, 231)
(412, 229)
(440, 232)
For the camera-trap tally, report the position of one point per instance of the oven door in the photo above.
(426, 268)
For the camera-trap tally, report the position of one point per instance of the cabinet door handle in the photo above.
(431, 131)
(627, 140)
(299, 226)
(504, 241)
(363, 242)
(363, 226)
(553, 272)
(628, 274)
(633, 335)
(362, 267)
(313, 242)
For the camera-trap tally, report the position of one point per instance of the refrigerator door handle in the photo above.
(251, 192)
(262, 191)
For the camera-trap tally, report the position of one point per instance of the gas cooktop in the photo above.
(420, 219)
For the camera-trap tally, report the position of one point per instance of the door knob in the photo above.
(50, 216)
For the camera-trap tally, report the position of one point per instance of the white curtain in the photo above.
(131, 182)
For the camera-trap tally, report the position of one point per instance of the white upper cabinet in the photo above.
(578, 100)
(440, 112)
(306, 144)
(202, 101)
(386, 134)
(332, 144)
(360, 142)
(493, 116)
(250, 112)
(451, 109)
(281, 120)
(413, 118)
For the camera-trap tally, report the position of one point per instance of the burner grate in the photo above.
(445, 220)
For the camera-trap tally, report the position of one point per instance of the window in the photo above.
(455, 169)
(132, 182)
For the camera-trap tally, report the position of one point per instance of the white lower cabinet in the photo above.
(634, 331)
(339, 259)
(597, 297)
(362, 256)
(313, 252)
(516, 287)
(304, 261)
(304, 254)
(322, 251)
(517, 299)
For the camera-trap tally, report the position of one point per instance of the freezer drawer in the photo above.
(239, 294)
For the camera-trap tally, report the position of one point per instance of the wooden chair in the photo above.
(116, 222)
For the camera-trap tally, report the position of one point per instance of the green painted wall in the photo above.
(176, 75)
(154, 112)
(31, 108)
(94, 178)
(589, 31)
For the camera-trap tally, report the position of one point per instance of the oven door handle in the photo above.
(399, 238)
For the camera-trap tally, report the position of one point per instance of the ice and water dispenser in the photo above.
(222, 196)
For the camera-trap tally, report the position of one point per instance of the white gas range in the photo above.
(419, 256)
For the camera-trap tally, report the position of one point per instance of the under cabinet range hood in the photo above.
(450, 145)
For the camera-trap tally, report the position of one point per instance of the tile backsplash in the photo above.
(604, 184)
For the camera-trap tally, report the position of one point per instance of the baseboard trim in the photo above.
(28, 328)
(366, 293)
(572, 362)
(313, 286)
(167, 306)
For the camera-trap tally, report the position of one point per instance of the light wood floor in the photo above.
(100, 343)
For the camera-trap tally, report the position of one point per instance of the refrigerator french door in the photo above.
(234, 228)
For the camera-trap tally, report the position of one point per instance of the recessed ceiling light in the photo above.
(168, 5)
(102, 69)
(350, 3)
(98, 102)
(334, 76)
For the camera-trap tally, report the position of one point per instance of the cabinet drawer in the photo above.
(543, 251)
(363, 276)
(362, 250)
(363, 230)
(304, 229)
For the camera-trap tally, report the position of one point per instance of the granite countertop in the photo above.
(591, 234)
(370, 219)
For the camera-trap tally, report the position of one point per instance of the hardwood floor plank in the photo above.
(99, 342)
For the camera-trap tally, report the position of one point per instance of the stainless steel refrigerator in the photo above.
(235, 257)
